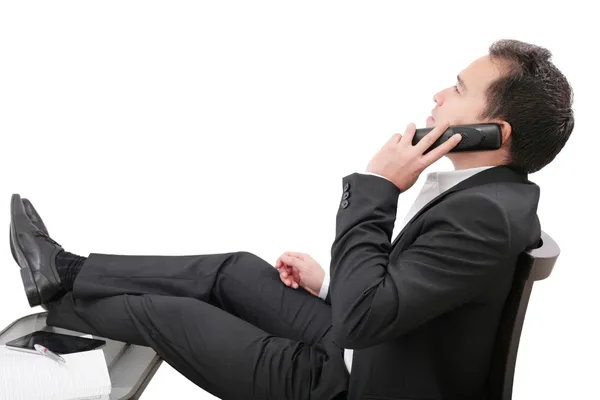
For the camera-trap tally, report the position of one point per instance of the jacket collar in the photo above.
(500, 173)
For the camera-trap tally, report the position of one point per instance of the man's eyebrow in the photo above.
(461, 82)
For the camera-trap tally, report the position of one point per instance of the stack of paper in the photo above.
(29, 376)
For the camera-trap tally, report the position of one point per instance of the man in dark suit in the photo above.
(412, 318)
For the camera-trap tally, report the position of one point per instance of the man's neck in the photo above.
(474, 159)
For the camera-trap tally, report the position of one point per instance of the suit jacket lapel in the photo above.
(501, 173)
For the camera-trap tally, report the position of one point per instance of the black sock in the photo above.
(68, 266)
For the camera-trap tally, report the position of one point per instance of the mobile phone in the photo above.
(56, 342)
(475, 137)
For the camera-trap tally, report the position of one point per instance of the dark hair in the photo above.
(535, 98)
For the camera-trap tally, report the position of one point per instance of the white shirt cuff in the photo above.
(325, 287)
(371, 173)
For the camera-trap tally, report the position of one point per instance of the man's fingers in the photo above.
(289, 282)
(286, 281)
(288, 273)
(288, 264)
(296, 275)
(409, 134)
(295, 254)
(291, 261)
(431, 137)
(286, 269)
(396, 137)
(441, 150)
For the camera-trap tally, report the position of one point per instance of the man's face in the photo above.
(464, 102)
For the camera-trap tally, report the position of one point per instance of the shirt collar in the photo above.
(447, 179)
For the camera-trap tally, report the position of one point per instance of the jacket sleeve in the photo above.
(458, 254)
(324, 293)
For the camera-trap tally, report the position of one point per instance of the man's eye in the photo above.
(456, 88)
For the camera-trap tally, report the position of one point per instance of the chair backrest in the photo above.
(533, 265)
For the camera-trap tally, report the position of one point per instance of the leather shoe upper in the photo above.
(35, 218)
(36, 253)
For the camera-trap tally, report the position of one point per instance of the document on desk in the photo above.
(29, 376)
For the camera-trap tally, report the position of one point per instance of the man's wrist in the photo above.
(372, 173)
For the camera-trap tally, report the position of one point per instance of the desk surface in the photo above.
(130, 367)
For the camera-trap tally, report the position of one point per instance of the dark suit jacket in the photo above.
(422, 312)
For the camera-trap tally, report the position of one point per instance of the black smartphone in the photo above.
(56, 342)
(475, 137)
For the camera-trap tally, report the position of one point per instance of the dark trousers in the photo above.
(224, 321)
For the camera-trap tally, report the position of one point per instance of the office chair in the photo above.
(533, 265)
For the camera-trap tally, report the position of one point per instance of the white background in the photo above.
(205, 127)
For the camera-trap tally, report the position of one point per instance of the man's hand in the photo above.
(300, 270)
(402, 163)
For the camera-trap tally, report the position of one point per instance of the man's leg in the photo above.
(240, 283)
(221, 353)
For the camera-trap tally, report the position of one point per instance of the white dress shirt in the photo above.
(436, 183)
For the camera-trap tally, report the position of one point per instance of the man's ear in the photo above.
(505, 128)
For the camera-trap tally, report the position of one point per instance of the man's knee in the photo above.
(249, 257)
(249, 261)
(246, 267)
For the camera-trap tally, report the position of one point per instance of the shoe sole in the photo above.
(31, 289)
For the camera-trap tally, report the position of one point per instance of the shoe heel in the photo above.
(30, 287)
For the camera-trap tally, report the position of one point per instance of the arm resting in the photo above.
(457, 256)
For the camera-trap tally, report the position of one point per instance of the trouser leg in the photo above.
(223, 354)
(241, 283)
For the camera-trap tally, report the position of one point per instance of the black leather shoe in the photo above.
(35, 252)
(35, 218)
